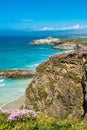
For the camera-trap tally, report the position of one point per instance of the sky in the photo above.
(43, 14)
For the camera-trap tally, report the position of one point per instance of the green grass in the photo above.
(73, 77)
(42, 123)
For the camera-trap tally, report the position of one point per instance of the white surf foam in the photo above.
(2, 85)
(1, 80)
(32, 66)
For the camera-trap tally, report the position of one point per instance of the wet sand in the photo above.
(16, 104)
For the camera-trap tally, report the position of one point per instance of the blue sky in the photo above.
(43, 14)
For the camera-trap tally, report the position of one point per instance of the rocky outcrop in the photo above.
(15, 74)
(69, 46)
(59, 88)
(72, 44)
(48, 40)
(63, 44)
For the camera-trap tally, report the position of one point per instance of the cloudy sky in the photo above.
(43, 14)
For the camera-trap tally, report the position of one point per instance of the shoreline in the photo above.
(16, 104)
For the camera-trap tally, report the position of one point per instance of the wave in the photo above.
(1, 80)
(11, 101)
(18, 68)
(14, 68)
(2, 85)
(32, 66)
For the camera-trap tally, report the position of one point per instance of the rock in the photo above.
(69, 46)
(63, 44)
(72, 44)
(58, 88)
(15, 74)
(48, 40)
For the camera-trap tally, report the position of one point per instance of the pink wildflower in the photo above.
(21, 114)
(5, 111)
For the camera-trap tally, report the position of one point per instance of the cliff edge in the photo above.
(60, 86)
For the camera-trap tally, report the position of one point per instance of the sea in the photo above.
(16, 52)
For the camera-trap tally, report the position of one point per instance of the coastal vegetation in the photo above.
(39, 122)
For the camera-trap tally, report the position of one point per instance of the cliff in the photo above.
(60, 86)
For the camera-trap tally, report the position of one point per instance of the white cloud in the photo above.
(74, 27)
(47, 29)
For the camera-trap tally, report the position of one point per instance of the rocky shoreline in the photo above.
(17, 74)
(63, 44)
(48, 40)
(69, 46)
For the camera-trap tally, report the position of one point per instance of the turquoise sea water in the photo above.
(17, 53)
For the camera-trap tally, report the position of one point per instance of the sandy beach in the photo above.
(16, 104)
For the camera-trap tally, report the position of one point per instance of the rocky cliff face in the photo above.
(60, 87)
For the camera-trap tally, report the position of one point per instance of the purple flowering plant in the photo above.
(22, 114)
(19, 114)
